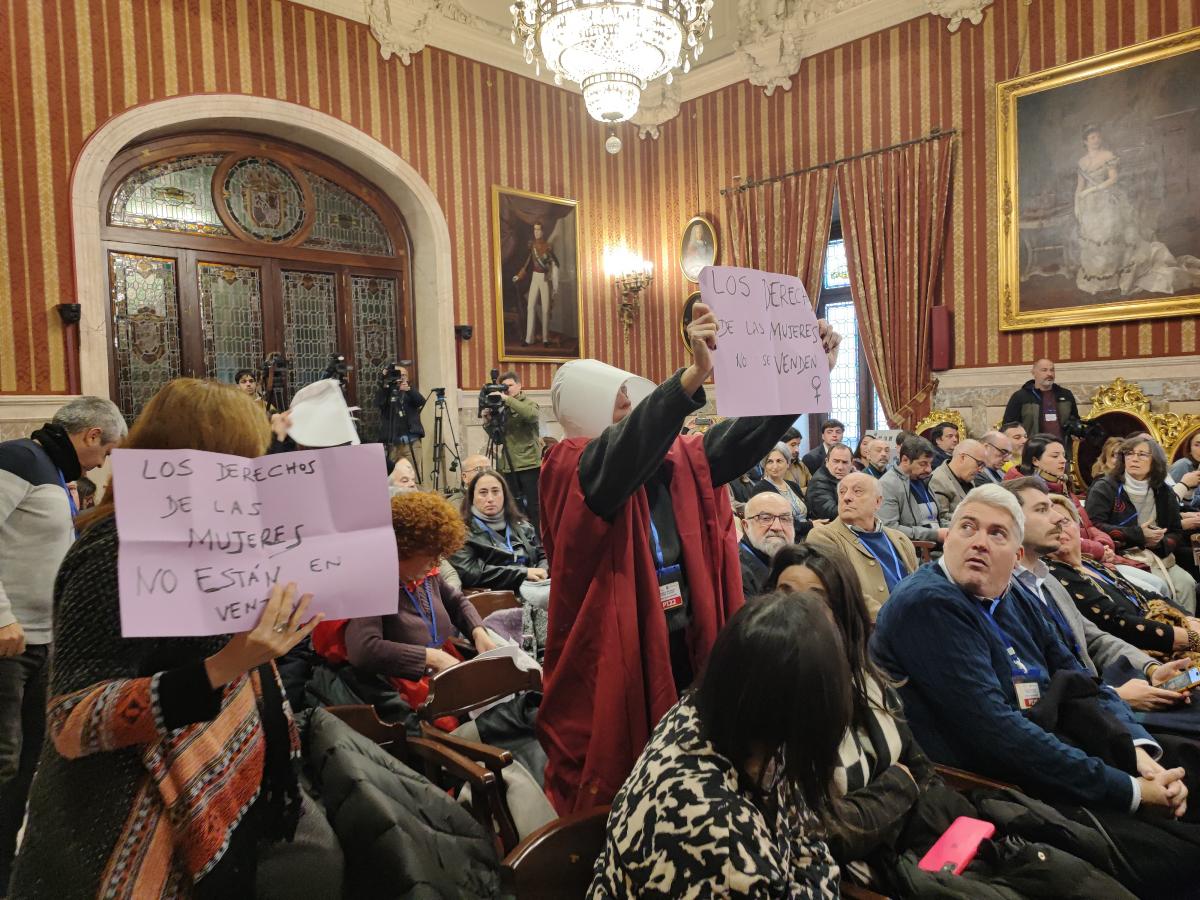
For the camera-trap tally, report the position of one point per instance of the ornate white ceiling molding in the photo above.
(770, 41)
(405, 27)
(660, 103)
(959, 10)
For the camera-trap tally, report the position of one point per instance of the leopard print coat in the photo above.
(681, 828)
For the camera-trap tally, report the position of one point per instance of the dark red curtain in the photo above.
(894, 208)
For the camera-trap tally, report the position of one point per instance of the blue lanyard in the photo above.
(507, 539)
(1014, 660)
(1132, 517)
(927, 499)
(672, 572)
(62, 479)
(897, 573)
(1112, 582)
(431, 621)
(1068, 636)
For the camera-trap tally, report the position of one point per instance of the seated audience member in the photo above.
(831, 435)
(1017, 434)
(952, 479)
(501, 552)
(131, 721)
(410, 643)
(403, 479)
(1108, 457)
(877, 458)
(862, 451)
(880, 556)
(1185, 472)
(945, 438)
(741, 489)
(726, 798)
(796, 471)
(1135, 506)
(768, 527)
(970, 655)
(1094, 648)
(473, 465)
(1102, 594)
(774, 481)
(822, 490)
(997, 450)
(908, 504)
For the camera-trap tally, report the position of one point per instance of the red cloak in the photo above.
(607, 672)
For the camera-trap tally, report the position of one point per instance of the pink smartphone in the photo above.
(957, 846)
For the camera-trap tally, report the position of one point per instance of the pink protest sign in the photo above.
(204, 536)
(769, 359)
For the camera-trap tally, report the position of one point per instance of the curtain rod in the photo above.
(932, 136)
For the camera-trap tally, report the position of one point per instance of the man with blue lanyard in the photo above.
(909, 505)
(881, 556)
(1095, 648)
(970, 657)
(36, 530)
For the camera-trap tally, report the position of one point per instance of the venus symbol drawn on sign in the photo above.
(816, 384)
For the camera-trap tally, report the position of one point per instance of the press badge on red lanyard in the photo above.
(670, 591)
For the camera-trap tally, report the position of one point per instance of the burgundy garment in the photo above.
(395, 645)
(607, 671)
(1050, 408)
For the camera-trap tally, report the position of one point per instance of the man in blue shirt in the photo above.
(970, 655)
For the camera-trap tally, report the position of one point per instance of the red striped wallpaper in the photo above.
(67, 66)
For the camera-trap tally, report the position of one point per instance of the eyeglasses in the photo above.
(979, 463)
(1137, 454)
(766, 520)
(1004, 454)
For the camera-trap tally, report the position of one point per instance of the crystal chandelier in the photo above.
(612, 48)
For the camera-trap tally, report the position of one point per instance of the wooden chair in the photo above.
(488, 602)
(962, 781)
(556, 861)
(439, 760)
(854, 892)
(925, 550)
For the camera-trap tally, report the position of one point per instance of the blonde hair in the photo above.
(194, 414)
(1067, 504)
(1100, 467)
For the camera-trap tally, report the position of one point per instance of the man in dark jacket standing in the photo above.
(1042, 406)
(822, 490)
(400, 406)
(36, 530)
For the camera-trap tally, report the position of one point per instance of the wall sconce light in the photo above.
(633, 275)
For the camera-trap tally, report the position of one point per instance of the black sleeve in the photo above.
(1099, 507)
(415, 399)
(812, 461)
(822, 499)
(1012, 410)
(736, 445)
(185, 696)
(872, 816)
(613, 466)
(1111, 616)
(475, 572)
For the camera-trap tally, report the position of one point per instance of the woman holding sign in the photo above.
(117, 808)
(643, 557)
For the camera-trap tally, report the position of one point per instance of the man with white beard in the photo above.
(769, 526)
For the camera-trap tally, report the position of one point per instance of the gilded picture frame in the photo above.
(538, 302)
(697, 247)
(1094, 208)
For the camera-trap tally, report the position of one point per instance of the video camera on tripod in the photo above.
(393, 381)
(491, 401)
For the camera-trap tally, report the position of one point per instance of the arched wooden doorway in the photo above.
(222, 248)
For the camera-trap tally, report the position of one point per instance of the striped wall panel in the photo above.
(67, 66)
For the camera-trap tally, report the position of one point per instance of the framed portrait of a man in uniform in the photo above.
(536, 256)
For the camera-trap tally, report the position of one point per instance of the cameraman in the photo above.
(520, 458)
(400, 406)
(1043, 406)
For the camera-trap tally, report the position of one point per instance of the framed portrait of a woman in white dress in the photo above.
(1097, 188)
(697, 247)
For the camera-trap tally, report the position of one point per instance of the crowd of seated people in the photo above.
(796, 752)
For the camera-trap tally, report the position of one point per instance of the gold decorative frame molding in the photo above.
(1121, 396)
(1174, 429)
(1012, 317)
(938, 416)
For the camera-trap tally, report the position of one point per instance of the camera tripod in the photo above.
(440, 447)
(395, 409)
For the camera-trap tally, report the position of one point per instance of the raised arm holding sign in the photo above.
(644, 566)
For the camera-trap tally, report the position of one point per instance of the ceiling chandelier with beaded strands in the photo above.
(612, 48)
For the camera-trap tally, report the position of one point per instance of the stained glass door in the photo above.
(231, 317)
(310, 323)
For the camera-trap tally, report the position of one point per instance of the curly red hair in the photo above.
(426, 524)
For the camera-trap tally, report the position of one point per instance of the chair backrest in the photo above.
(474, 684)
(924, 550)
(556, 861)
(487, 602)
(961, 780)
